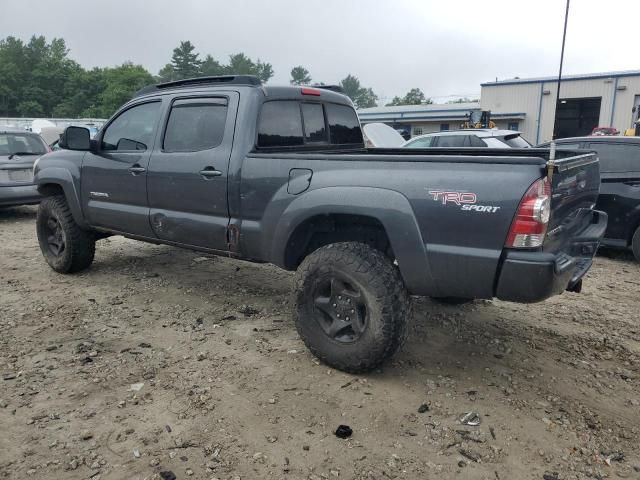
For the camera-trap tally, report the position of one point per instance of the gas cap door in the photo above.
(299, 180)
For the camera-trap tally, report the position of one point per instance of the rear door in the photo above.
(620, 189)
(187, 178)
(114, 182)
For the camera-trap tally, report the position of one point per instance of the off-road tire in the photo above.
(452, 300)
(380, 287)
(79, 245)
(635, 244)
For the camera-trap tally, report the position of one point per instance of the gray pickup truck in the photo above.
(281, 175)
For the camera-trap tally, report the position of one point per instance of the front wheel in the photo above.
(65, 246)
(635, 244)
(352, 308)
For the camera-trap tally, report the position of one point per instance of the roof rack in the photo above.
(333, 88)
(194, 82)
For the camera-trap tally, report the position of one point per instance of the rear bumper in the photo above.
(528, 277)
(19, 195)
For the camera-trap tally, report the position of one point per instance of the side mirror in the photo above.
(75, 138)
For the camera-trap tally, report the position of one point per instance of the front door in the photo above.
(187, 178)
(114, 180)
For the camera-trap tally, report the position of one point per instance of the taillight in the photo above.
(529, 226)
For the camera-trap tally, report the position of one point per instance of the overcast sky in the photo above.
(445, 48)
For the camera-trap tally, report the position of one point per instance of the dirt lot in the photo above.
(163, 360)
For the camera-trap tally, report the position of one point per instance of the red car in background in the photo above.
(605, 131)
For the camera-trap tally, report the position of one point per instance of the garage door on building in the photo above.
(577, 117)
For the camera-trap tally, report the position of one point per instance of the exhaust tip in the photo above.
(575, 287)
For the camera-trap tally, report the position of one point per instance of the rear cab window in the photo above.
(293, 123)
(344, 126)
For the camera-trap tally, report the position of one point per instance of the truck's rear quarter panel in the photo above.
(462, 247)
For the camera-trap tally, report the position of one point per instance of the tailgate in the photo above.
(575, 184)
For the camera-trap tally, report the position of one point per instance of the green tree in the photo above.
(33, 75)
(300, 76)
(184, 63)
(464, 100)
(81, 94)
(415, 96)
(362, 97)
(240, 64)
(211, 67)
(121, 83)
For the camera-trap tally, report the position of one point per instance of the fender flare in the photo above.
(62, 177)
(390, 208)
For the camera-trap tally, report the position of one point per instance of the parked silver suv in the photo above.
(477, 137)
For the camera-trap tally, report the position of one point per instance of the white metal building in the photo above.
(586, 101)
(610, 99)
(418, 119)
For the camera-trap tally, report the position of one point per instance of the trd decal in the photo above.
(465, 200)
(453, 197)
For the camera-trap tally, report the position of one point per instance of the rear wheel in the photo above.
(65, 246)
(635, 244)
(352, 309)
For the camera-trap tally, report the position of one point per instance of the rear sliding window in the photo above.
(280, 125)
(314, 127)
(617, 157)
(344, 127)
(289, 123)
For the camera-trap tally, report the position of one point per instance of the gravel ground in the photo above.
(163, 363)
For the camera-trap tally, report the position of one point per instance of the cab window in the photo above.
(289, 123)
(280, 124)
(344, 126)
(315, 130)
(195, 124)
(132, 129)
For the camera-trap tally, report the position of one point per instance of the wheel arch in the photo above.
(59, 181)
(381, 217)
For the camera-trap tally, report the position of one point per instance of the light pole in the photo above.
(564, 37)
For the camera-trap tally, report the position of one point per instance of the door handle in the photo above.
(210, 172)
(136, 168)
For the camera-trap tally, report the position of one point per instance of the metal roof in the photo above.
(565, 78)
(432, 108)
(433, 112)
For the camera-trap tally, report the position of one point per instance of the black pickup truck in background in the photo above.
(281, 175)
(620, 187)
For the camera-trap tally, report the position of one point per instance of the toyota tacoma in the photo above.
(272, 174)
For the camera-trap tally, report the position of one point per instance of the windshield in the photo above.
(21, 144)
